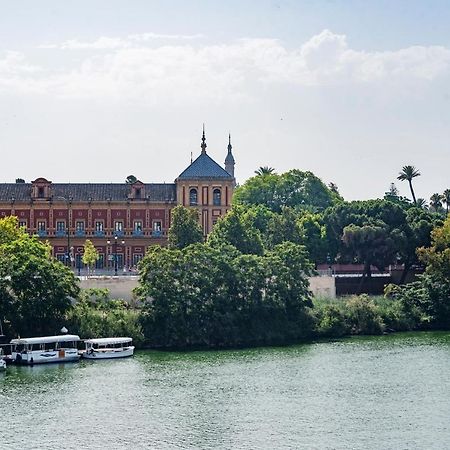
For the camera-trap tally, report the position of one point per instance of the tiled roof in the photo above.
(204, 167)
(89, 191)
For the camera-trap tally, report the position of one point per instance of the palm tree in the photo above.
(421, 203)
(408, 173)
(265, 170)
(435, 202)
(446, 199)
(333, 187)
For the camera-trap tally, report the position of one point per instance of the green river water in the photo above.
(387, 392)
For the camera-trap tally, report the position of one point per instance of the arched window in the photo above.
(193, 200)
(217, 197)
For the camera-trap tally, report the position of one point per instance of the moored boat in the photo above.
(47, 349)
(108, 348)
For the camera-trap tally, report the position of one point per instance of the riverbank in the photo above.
(327, 318)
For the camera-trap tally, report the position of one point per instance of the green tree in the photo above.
(446, 199)
(185, 229)
(313, 236)
(408, 173)
(36, 291)
(266, 170)
(380, 216)
(428, 299)
(372, 244)
(233, 229)
(90, 255)
(421, 203)
(215, 297)
(437, 256)
(284, 228)
(436, 202)
(417, 232)
(295, 189)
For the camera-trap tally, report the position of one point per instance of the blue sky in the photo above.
(352, 90)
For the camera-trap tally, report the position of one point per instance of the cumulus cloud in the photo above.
(129, 68)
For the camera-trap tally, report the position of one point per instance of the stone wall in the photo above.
(122, 287)
(119, 287)
(323, 286)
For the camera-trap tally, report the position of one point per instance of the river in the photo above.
(387, 392)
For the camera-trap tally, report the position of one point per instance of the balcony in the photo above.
(99, 233)
(157, 233)
(138, 233)
(80, 233)
(60, 233)
(118, 233)
(42, 233)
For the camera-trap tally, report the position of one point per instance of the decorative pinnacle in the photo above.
(229, 143)
(203, 145)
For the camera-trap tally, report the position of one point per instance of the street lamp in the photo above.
(79, 263)
(115, 243)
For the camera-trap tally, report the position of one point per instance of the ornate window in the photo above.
(217, 197)
(193, 197)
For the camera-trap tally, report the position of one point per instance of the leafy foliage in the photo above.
(36, 291)
(295, 189)
(90, 254)
(185, 229)
(207, 296)
(96, 315)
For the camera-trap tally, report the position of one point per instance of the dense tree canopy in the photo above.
(35, 289)
(203, 296)
(296, 189)
(185, 229)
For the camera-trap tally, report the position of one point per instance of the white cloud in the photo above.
(129, 69)
(111, 43)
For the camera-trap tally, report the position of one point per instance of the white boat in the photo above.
(107, 348)
(48, 349)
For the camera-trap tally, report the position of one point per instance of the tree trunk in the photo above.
(366, 271)
(405, 272)
(412, 192)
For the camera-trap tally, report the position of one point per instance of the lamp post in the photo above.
(115, 243)
(79, 263)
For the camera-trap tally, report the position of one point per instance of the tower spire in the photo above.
(203, 144)
(229, 160)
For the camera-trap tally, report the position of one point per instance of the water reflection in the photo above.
(380, 392)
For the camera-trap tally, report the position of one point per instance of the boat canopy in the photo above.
(47, 339)
(106, 341)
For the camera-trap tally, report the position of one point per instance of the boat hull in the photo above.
(108, 353)
(39, 357)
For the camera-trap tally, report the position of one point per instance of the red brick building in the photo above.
(122, 219)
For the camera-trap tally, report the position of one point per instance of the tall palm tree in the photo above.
(435, 202)
(421, 203)
(408, 173)
(265, 170)
(446, 199)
